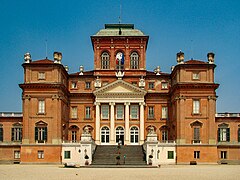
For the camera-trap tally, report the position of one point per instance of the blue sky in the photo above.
(195, 27)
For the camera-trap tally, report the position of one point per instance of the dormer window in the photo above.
(74, 85)
(164, 85)
(41, 75)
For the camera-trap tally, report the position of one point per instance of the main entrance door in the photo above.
(120, 135)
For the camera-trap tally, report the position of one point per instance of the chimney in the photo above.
(210, 57)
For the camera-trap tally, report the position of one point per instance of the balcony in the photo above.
(11, 114)
(226, 114)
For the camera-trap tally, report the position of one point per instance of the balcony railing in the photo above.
(227, 114)
(11, 114)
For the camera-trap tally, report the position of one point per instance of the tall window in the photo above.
(151, 85)
(120, 111)
(134, 58)
(196, 106)
(40, 154)
(164, 135)
(196, 154)
(223, 134)
(134, 134)
(105, 135)
(134, 111)
(41, 132)
(105, 60)
(196, 135)
(105, 111)
(74, 112)
(164, 112)
(73, 85)
(74, 136)
(88, 85)
(1, 132)
(88, 112)
(41, 106)
(151, 112)
(17, 132)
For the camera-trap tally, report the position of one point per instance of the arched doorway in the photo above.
(120, 135)
(105, 135)
(134, 135)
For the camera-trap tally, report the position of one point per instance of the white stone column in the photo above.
(97, 123)
(141, 122)
(112, 124)
(126, 122)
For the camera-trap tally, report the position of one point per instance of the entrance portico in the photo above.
(120, 104)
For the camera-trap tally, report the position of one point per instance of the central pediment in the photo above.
(119, 88)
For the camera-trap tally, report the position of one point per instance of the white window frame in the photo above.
(164, 85)
(73, 85)
(134, 59)
(40, 154)
(150, 112)
(196, 155)
(87, 85)
(105, 61)
(74, 136)
(105, 134)
(17, 133)
(164, 112)
(134, 135)
(41, 106)
(105, 111)
(134, 111)
(223, 155)
(87, 112)
(119, 111)
(151, 85)
(196, 106)
(74, 114)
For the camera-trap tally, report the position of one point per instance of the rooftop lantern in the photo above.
(57, 56)
(180, 57)
(210, 57)
(81, 69)
(27, 57)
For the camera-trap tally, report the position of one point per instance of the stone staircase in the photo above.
(106, 155)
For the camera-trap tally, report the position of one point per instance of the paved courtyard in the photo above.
(203, 172)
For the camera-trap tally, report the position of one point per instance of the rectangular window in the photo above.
(134, 111)
(74, 112)
(40, 154)
(67, 154)
(223, 154)
(120, 111)
(105, 111)
(196, 154)
(196, 106)
(164, 135)
(1, 133)
(223, 134)
(17, 134)
(150, 112)
(41, 75)
(164, 112)
(238, 135)
(164, 85)
(195, 76)
(88, 85)
(151, 85)
(74, 136)
(40, 134)
(196, 135)
(87, 112)
(16, 154)
(74, 85)
(170, 154)
(41, 106)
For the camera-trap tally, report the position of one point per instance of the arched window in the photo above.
(105, 134)
(41, 132)
(105, 61)
(74, 131)
(134, 134)
(120, 135)
(134, 59)
(196, 125)
(164, 133)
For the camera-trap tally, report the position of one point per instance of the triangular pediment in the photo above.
(119, 87)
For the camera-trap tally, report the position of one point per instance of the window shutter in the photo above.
(45, 133)
(219, 135)
(1, 134)
(228, 134)
(21, 134)
(36, 133)
(12, 134)
(238, 134)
